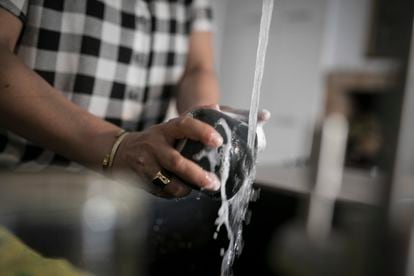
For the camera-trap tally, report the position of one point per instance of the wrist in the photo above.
(93, 143)
(108, 160)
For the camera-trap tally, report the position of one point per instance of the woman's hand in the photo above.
(150, 151)
(242, 114)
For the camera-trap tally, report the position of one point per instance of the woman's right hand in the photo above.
(152, 150)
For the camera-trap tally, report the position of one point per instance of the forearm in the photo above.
(30, 107)
(197, 88)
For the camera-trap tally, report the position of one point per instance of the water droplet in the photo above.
(248, 217)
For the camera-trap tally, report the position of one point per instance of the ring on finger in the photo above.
(160, 180)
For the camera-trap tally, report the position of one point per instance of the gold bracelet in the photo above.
(108, 160)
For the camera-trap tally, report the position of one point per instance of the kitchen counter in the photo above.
(358, 185)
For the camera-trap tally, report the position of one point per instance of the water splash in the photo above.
(232, 211)
(224, 217)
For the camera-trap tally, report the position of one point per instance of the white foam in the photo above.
(224, 213)
(211, 155)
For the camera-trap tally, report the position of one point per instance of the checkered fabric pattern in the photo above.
(118, 59)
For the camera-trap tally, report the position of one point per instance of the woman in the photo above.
(77, 74)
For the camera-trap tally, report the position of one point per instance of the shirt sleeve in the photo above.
(201, 16)
(16, 7)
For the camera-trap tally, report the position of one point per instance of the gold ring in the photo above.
(160, 180)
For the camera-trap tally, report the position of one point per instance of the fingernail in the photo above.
(216, 139)
(211, 106)
(265, 114)
(213, 182)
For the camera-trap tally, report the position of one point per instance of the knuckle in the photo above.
(199, 179)
(177, 161)
(139, 161)
(147, 146)
(202, 180)
(183, 121)
(155, 130)
(207, 133)
(172, 121)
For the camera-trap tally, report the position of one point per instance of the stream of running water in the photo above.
(233, 211)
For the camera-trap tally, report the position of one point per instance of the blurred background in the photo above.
(352, 58)
(309, 41)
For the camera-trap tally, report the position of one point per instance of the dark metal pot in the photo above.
(234, 133)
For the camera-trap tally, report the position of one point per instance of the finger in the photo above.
(226, 108)
(243, 115)
(174, 189)
(235, 112)
(187, 127)
(263, 116)
(146, 167)
(211, 106)
(187, 170)
(207, 106)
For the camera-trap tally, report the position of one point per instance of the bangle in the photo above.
(108, 160)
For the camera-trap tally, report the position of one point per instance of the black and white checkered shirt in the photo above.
(118, 59)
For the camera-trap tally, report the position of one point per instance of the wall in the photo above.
(347, 35)
(219, 17)
(292, 84)
(404, 175)
(308, 39)
(347, 26)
